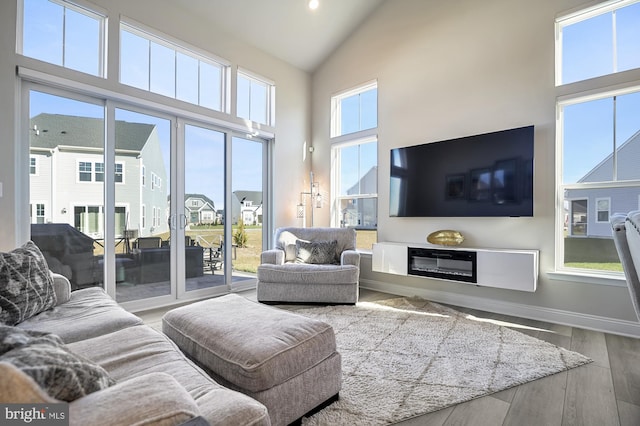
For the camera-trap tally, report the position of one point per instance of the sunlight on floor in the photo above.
(507, 324)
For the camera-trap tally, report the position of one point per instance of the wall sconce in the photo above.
(64, 210)
(315, 201)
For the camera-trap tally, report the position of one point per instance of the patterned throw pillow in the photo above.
(60, 373)
(318, 252)
(26, 285)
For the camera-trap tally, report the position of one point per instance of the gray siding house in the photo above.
(199, 209)
(67, 175)
(247, 205)
(589, 209)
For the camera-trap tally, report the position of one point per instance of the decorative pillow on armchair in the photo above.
(26, 284)
(62, 374)
(319, 252)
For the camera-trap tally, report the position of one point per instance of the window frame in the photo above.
(591, 89)
(339, 142)
(597, 209)
(177, 46)
(270, 95)
(79, 163)
(336, 108)
(581, 15)
(81, 7)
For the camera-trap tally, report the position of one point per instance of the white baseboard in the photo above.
(556, 316)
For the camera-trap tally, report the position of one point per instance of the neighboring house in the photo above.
(588, 210)
(199, 209)
(67, 174)
(361, 212)
(247, 205)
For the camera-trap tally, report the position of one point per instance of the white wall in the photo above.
(452, 69)
(292, 102)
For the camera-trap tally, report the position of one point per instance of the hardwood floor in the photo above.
(605, 392)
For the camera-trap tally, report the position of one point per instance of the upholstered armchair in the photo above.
(310, 265)
(626, 235)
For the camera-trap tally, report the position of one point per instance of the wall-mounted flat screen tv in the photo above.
(488, 175)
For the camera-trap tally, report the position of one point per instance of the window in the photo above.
(85, 171)
(355, 162)
(606, 37)
(37, 213)
(357, 184)
(99, 172)
(255, 98)
(355, 110)
(151, 62)
(143, 217)
(603, 210)
(33, 170)
(598, 132)
(119, 167)
(63, 34)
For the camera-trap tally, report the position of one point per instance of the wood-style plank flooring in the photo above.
(605, 392)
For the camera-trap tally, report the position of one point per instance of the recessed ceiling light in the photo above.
(313, 4)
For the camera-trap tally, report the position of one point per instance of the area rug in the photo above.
(404, 357)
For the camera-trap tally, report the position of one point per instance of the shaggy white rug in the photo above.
(402, 358)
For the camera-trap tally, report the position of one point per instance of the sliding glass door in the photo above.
(66, 181)
(151, 206)
(143, 200)
(204, 199)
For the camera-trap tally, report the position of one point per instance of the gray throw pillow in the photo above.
(62, 374)
(26, 284)
(317, 252)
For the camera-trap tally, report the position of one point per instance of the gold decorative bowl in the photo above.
(445, 237)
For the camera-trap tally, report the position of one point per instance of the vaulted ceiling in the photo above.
(286, 29)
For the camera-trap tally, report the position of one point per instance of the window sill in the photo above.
(601, 279)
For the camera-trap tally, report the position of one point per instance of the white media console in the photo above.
(509, 269)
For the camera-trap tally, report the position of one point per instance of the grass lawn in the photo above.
(610, 267)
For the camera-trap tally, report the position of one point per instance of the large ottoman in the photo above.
(284, 360)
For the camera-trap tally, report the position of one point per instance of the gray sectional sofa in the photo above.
(154, 382)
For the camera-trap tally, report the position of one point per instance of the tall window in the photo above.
(355, 162)
(63, 34)
(150, 62)
(598, 133)
(255, 98)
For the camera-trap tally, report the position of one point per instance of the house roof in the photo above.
(54, 130)
(202, 197)
(628, 158)
(254, 196)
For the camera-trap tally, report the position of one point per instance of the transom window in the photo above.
(255, 98)
(598, 133)
(64, 34)
(355, 110)
(151, 62)
(599, 41)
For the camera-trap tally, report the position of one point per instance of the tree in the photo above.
(240, 236)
